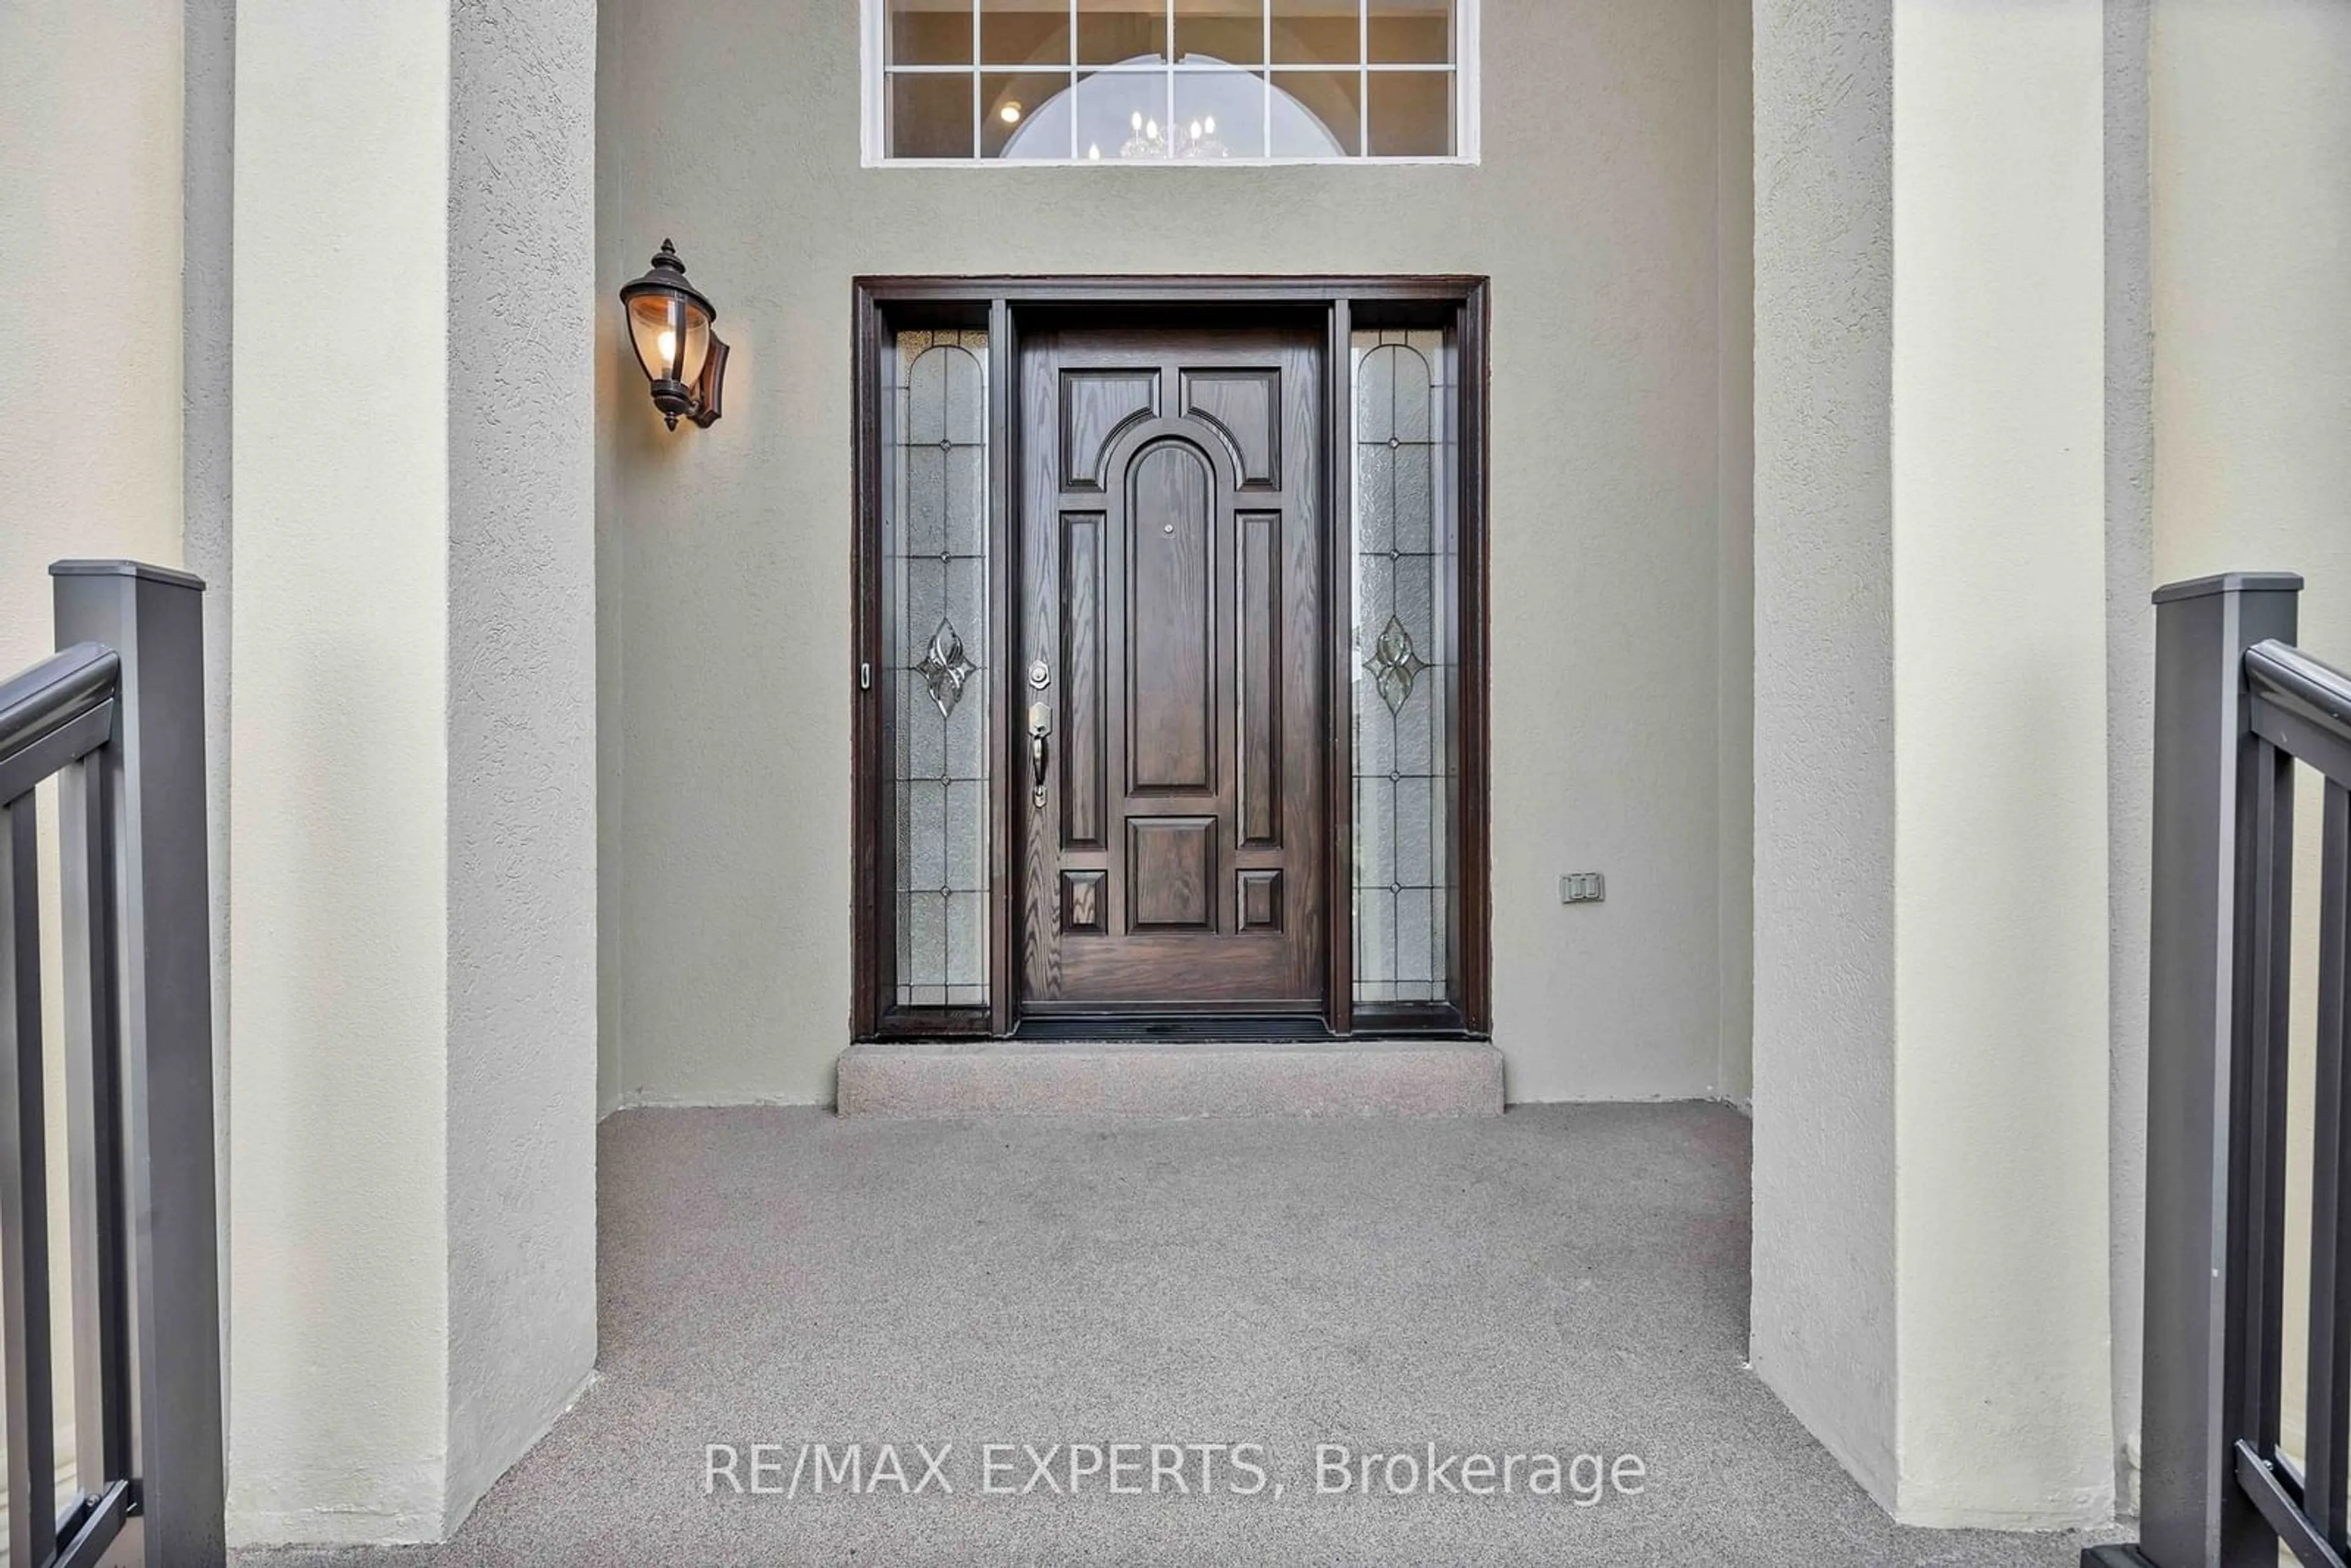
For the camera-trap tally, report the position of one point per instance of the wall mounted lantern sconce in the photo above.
(669, 325)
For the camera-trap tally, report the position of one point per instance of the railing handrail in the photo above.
(2323, 693)
(44, 699)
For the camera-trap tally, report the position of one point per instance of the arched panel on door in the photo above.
(1170, 619)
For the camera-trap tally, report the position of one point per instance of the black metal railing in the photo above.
(2239, 711)
(117, 717)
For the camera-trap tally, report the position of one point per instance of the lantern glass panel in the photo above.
(672, 336)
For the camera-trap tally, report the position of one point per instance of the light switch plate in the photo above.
(1582, 887)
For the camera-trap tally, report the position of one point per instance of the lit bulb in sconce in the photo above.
(1135, 121)
(1010, 113)
(668, 348)
(1151, 129)
(1211, 124)
(1093, 152)
(1195, 130)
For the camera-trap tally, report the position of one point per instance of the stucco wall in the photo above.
(90, 399)
(725, 687)
(612, 361)
(1931, 987)
(1734, 245)
(207, 184)
(413, 814)
(339, 1345)
(2250, 111)
(521, 729)
(1823, 1323)
(2001, 871)
(2130, 699)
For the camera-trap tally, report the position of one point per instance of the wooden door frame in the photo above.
(878, 305)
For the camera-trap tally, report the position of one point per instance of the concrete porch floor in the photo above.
(1560, 1278)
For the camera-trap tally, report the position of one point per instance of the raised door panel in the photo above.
(1095, 405)
(1256, 664)
(1171, 711)
(1171, 869)
(1243, 407)
(1260, 900)
(1085, 901)
(1084, 754)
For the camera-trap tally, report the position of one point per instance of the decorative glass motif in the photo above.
(935, 600)
(945, 669)
(1394, 664)
(1405, 776)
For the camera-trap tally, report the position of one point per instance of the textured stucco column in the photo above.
(1931, 922)
(412, 817)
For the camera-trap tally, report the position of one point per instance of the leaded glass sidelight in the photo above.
(1407, 675)
(938, 665)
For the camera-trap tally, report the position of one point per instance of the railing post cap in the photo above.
(139, 569)
(2230, 583)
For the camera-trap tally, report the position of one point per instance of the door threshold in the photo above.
(1146, 1029)
(1092, 1077)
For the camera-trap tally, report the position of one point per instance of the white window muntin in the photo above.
(877, 73)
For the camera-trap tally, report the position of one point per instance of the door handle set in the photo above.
(1040, 734)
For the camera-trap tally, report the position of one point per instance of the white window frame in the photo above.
(873, 109)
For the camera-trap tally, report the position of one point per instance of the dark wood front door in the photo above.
(1169, 705)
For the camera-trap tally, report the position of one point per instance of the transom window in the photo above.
(1168, 81)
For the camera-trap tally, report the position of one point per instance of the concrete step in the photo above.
(1270, 1078)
